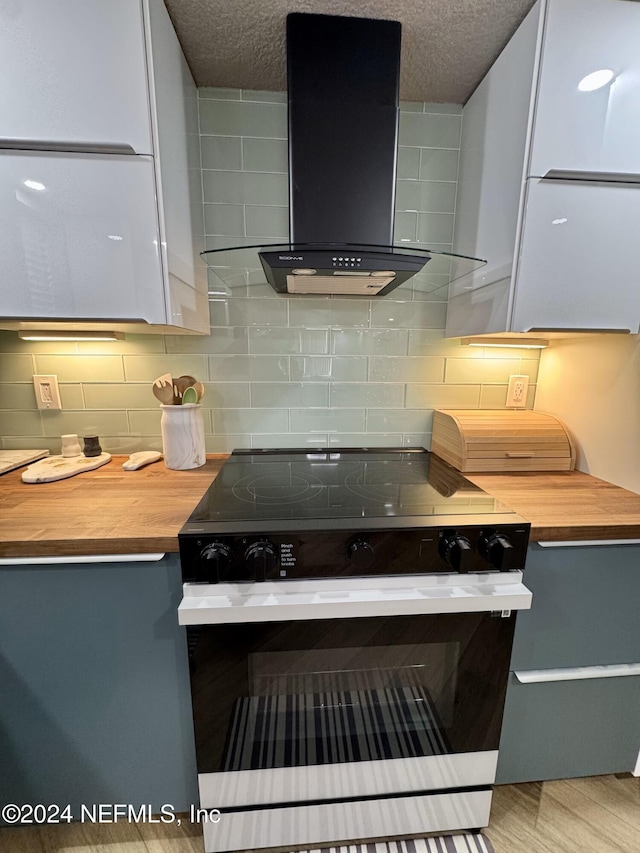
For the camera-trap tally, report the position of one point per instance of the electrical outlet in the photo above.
(517, 392)
(47, 392)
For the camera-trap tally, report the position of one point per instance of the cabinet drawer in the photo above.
(578, 247)
(74, 71)
(559, 730)
(585, 608)
(79, 237)
(599, 130)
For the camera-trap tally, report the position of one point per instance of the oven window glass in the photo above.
(333, 691)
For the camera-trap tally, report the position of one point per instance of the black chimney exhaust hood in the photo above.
(343, 105)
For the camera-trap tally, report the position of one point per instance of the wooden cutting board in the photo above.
(60, 467)
(10, 459)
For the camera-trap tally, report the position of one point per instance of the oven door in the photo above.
(383, 692)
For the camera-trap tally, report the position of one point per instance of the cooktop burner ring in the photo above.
(388, 486)
(278, 489)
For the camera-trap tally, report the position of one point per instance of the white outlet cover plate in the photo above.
(47, 392)
(517, 391)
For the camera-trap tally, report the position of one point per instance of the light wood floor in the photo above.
(600, 814)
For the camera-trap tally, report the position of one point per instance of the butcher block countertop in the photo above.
(111, 511)
(106, 511)
(566, 505)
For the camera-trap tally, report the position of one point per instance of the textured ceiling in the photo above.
(447, 45)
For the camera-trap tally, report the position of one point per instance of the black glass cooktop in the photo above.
(262, 485)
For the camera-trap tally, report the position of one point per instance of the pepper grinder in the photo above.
(70, 445)
(92, 445)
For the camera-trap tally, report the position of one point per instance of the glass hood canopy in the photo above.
(335, 268)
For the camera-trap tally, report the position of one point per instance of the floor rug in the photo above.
(466, 843)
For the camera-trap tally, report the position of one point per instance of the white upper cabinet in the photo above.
(74, 75)
(548, 186)
(588, 100)
(101, 212)
(75, 231)
(577, 267)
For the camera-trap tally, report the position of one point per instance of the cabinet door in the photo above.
(96, 706)
(588, 131)
(585, 605)
(73, 74)
(79, 237)
(559, 730)
(578, 262)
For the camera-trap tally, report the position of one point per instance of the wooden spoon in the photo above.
(180, 385)
(191, 379)
(163, 389)
(199, 387)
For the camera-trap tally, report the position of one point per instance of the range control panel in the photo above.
(257, 557)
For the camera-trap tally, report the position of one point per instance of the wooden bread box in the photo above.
(501, 440)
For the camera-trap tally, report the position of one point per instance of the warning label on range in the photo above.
(287, 557)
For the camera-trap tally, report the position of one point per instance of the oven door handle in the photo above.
(236, 603)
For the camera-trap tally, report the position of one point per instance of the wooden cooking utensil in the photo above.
(179, 387)
(163, 389)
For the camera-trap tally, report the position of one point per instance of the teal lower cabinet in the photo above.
(562, 729)
(95, 703)
(573, 699)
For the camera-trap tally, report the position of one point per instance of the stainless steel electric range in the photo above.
(350, 617)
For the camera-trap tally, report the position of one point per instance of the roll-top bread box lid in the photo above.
(501, 440)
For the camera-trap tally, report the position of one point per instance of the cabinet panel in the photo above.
(74, 71)
(578, 247)
(96, 705)
(585, 608)
(79, 237)
(571, 728)
(595, 130)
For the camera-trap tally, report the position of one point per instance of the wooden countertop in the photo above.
(111, 511)
(566, 505)
(106, 511)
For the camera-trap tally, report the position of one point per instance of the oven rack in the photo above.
(293, 730)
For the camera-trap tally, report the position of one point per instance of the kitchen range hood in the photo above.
(343, 82)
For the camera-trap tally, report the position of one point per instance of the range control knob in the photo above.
(497, 550)
(217, 557)
(456, 550)
(361, 553)
(260, 559)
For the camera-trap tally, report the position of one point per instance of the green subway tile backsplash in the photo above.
(221, 152)
(267, 221)
(327, 420)
(239, 311)
(435, 228)
(369, 341)
(289, 394)
(409, 163)
(438, 164)
(224, 219)
(245, 188)
(313, 368)
(280, 371)
(426, 196)
(430, 130)
(263, 155)
(271, 341)
(235, 118)
(16, 368)
(324, 313)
